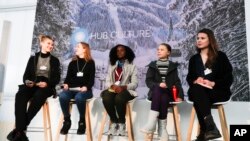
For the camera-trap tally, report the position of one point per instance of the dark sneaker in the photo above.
(66, 127)
(11, 135)
(81, 128)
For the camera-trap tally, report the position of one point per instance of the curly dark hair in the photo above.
(130, 55)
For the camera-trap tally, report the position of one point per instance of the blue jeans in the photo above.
(80, 99)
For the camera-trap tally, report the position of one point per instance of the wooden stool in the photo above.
(173, 106)
(128, 123)
(46, 123)
(223, 122)
(87, 119)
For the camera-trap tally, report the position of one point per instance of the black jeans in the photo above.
(203, 98)
(36, 97)
(116, 102)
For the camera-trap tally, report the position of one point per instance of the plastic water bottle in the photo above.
(174, 92)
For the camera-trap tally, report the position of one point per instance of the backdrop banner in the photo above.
(143, 25)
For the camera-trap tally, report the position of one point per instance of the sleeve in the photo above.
(69, 73)
(56, 73)
(134, 81)
(91, 76)
(150, 77)
(225, 79)
(28, 71)
(178, 84)
(191, 76)
(108, 81)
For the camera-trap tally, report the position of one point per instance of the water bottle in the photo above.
(174, 92)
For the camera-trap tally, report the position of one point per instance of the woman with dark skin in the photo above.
(209, 78)
(121, 83)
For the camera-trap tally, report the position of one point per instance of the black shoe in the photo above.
(11, 135)
(81, 128)
(66, 127)
(212, 131)
(20, 136)
(201, 136)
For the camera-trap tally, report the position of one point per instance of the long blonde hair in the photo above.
(87, 54)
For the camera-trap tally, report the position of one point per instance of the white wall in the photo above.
(21, 14)
(22, 21)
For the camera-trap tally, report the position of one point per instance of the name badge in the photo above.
(207, 71)
(43, 68)
(117, 83)
(79, 74)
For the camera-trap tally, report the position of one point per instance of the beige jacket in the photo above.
(129, 77)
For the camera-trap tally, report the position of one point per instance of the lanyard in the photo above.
(119, 76)
(82, 67)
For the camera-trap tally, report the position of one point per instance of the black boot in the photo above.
(66, 127)
(201, 136)
(11, 135)
(212, 131)
(81, 127)
(20, 136)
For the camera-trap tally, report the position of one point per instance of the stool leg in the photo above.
(102, 126)
(88, 124)
(177, 123)
(129, 123)
(223, 122)
(45, 122)
(48, 121)
(191, 123)
(59, 127)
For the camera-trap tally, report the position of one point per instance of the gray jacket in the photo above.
(129, 77)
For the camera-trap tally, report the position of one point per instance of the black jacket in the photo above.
(153, 78)
(54, 74)
(88, 78)
(221, 73)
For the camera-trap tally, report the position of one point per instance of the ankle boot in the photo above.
(151, 124)
(162, 130)
(66, 127)
(212, 131)
(201, 136)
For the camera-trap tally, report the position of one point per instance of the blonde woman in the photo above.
(41, 76)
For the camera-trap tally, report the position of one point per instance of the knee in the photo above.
(119, 100)
(63, 96)
(106, 97)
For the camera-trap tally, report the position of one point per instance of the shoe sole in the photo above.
(212, 137)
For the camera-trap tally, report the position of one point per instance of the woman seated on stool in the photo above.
(161, 76)
(121, 82)
(209, 78)
(41, 75)
(80, 77)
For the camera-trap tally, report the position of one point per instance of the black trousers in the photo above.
(203, 98)
(36, 96)
(116, 102)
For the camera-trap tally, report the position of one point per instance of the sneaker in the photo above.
(20, 136)
(81, 128)
(66, 127)
(113, 129)
(121, 129)
(11, 135)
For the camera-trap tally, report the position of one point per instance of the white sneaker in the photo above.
(113, 129)
(121, 129)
